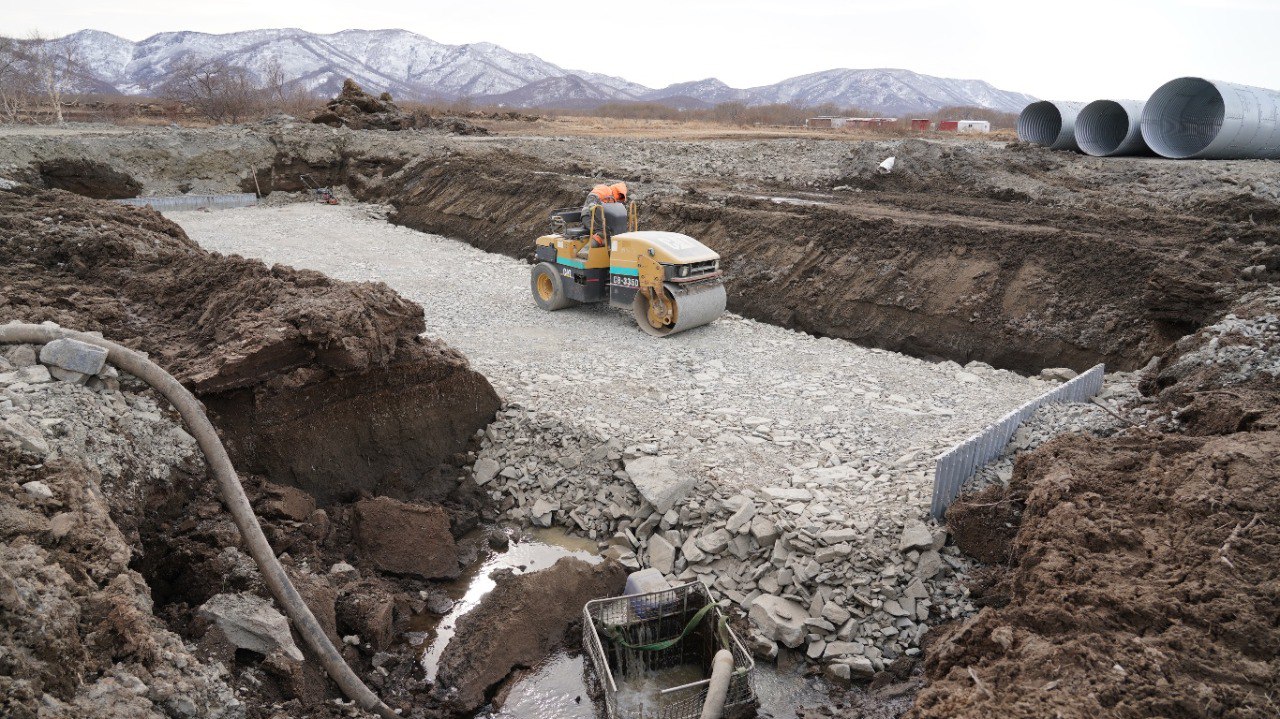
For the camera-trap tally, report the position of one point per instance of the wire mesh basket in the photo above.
(638, 636)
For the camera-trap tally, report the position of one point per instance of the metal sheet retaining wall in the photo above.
(193, 202)
(957, 465)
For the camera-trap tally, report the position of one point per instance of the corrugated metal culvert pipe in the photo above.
(1050, 123)
(1192, 117)
(1106, 128)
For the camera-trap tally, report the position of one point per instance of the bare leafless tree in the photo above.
(284, 94)
(216, 89)
(55, 65)
(16, 82)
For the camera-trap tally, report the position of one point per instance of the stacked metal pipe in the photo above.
(1189, 117)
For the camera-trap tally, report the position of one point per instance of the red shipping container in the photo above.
(949, 125)
(922, 125)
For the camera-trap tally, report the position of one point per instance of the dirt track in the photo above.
(975, 272)
(583, 364)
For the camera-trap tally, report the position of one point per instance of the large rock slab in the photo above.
(659, 481)
(781, 620)
(915, 535)
(406, 538)
(662, 556)
(251, 622)
(74, 355)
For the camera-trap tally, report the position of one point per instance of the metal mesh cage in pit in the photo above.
(609, 625)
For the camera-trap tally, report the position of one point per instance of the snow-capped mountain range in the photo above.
(414, 67)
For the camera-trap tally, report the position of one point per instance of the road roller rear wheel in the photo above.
(548, 287)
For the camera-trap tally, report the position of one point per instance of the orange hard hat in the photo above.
(619, 191)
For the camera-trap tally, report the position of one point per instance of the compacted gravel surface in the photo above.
(746, 399)
(811, 457)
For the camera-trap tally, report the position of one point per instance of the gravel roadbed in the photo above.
(831, 444)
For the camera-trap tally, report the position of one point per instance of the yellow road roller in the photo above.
(670, 282)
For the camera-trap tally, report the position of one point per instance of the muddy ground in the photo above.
(1135, 576)
(1131, 576)
(1005, 253)
(315, 383)
(325, 394)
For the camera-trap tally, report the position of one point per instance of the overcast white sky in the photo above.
(1063, 49)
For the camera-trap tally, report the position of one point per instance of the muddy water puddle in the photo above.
(643, 696)
(556, 688)
(545, 548)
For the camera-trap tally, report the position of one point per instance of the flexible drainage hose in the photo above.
(718, 688)
(232, 494)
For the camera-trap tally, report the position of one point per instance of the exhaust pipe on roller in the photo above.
(1050, 123)
(1107, 128)
(1192, 117)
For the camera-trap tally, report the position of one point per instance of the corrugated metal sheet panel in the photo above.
(955, 467)
(193, 202)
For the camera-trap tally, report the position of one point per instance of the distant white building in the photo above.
(825, 122)
(974, 126)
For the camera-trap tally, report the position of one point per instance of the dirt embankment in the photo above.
(320, 384)
(1137, 576)
(121, 549)
(525, 618)
(1013, 255)
(1009, 283)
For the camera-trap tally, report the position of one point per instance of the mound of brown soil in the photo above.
(1145, 582)
(1225, 377)
(320, 384)
(516, 625)
(356, 109)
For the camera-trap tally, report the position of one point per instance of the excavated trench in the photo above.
(1010, 284)
(949, 258)
(995, 279)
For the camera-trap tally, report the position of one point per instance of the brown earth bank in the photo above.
(321, 384)
(1011, 283)
(1136, 576)
(970, 250)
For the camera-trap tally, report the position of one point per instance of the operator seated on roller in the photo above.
(613, 198)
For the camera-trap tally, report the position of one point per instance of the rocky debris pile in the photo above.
(322, 384)
(79, 461)
(1225, 377)
(133, 448)
(356, 109)
(815, 570)
(830, 443)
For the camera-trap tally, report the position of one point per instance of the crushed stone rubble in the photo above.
(790, 473)
(101, 444)
(1121, 399)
